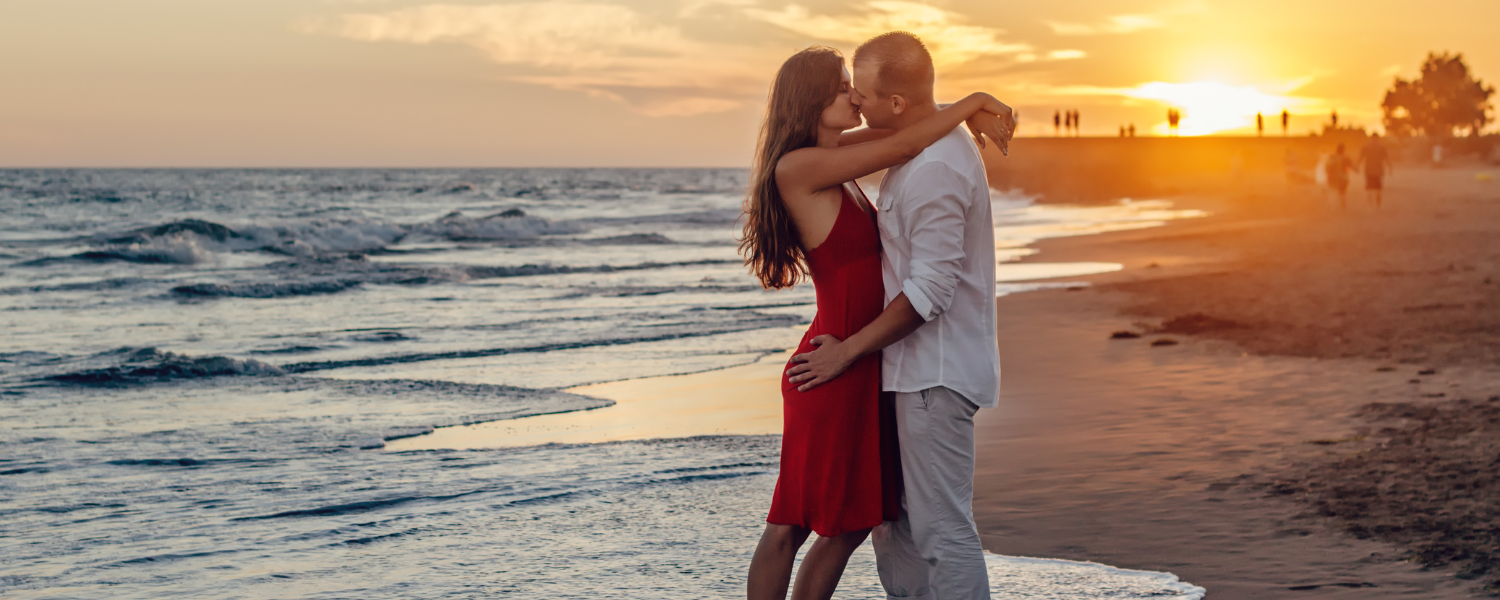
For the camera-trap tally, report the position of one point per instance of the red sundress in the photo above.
(840, 464)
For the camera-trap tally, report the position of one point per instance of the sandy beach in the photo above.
(1234, 442)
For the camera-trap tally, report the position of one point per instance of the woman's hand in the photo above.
(985, 123)
(996, 120)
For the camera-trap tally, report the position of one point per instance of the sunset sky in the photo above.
(654, 82)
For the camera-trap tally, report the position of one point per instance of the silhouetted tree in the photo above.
(1442, 101)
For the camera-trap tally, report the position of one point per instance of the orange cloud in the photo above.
(612, 51)
(602, 49)
(1114, 24)
(946, 33)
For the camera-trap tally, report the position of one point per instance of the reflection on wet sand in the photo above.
(1006, 272)
(739, 400)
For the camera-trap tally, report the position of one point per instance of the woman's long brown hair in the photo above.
(806, 84)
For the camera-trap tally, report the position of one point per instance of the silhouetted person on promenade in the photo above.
(1077, 129)
(1377, 163)
(1132, 130)
(1260, 125)
(1337, 171)
(1286, 120)
(1335, 119)
(1174, 117)
(1057, 122)
(1122, 131)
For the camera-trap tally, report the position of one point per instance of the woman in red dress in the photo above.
(806, 217)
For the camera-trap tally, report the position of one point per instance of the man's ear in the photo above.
(898, 104)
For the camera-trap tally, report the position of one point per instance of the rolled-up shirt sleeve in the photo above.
(934, 224)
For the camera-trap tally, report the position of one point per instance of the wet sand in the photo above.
(1246, 457)
(739, 400)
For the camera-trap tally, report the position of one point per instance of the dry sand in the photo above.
(1244, 457)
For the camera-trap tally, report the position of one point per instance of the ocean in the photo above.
(194, 399)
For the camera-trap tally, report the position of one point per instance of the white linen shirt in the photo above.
(938, 246)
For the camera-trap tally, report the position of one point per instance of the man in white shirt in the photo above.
(941, 357)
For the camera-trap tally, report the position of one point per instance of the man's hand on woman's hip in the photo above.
(821, 365)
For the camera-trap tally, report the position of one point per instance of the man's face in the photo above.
(877, 113)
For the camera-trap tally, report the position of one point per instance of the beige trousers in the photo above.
(932, 552)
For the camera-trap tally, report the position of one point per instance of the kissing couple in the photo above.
(879, 399)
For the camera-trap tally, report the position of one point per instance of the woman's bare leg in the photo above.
(771, 568)
(824, 565)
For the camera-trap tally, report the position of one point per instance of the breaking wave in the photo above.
(173, 249)
(148, 365)
(192, 241)
(511, 224)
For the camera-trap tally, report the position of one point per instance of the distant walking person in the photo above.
(1377, 163)
(1077, 129)
(1286, 120)
(1174, 117)
(1132, 130)
(1057, 122)
(1337, 171)
(1335, 119)
(1260, 125)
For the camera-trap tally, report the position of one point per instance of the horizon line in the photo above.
(54, 167)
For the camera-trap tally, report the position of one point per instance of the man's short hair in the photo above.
(903, 65)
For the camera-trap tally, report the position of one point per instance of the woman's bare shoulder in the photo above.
(793, 164)
(792, 176)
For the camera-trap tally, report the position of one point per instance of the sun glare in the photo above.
(1210, 107)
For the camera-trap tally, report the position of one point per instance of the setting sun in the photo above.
(1210, 107)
